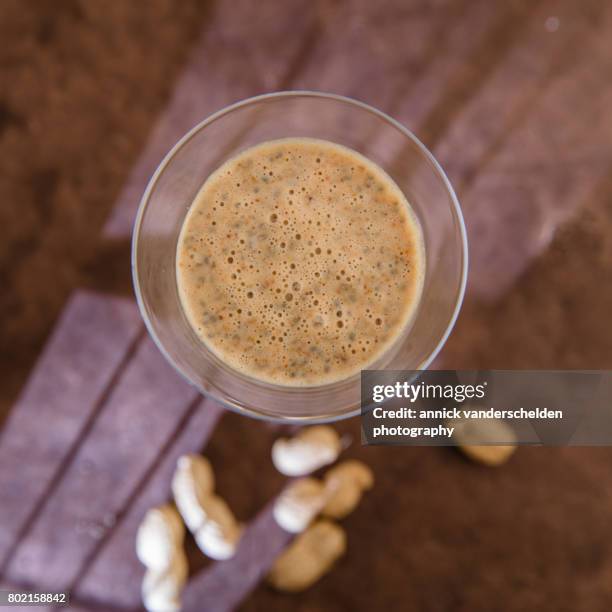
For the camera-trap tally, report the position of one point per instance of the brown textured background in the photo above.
(82, 84)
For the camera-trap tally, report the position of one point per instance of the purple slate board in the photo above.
(79, 362)
(116, 563)
(499, 106)
(143, 410)
(355, 59)
(544, 170)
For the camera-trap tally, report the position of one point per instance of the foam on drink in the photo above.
(300, 262)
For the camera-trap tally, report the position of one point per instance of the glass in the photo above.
(295, 114)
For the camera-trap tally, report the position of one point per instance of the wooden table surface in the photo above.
(514, 100)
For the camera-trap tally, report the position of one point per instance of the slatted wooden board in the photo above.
(514, 99)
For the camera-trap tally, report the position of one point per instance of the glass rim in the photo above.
(167, 160)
